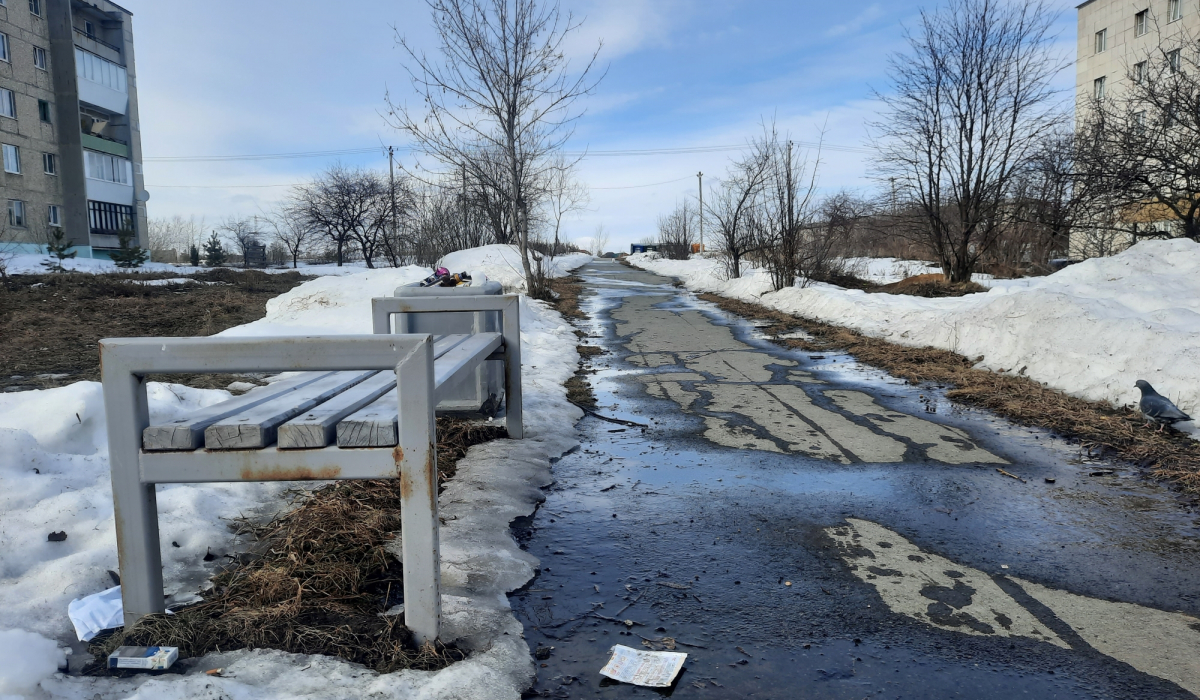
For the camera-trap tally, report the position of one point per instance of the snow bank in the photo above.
(28, 660)
(503, 264)
(36, 265)
(1090, 330)
(54, 477)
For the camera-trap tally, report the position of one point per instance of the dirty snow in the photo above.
(1090, 330)
(54, 477)
(503, 264)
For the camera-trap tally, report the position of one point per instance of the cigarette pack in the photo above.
(144, 658)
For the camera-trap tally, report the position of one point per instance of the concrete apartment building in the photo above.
(69, 131)
(1118, 41)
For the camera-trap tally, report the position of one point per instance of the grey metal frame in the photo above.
(509, 305)
(126, 362)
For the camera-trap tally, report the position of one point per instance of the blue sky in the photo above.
(228, 77)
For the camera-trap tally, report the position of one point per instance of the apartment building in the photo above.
(1118, 42)
(69, 131)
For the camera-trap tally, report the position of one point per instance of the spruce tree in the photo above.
(58, 247)
(214, 252)
(128, 256)
(194, 255)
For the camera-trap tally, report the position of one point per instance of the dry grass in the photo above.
(316, 580)
(1100, 429)
(931, 285)
(567, 289)
(50, 324)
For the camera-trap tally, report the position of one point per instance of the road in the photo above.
(804, 526)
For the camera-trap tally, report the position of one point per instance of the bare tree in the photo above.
(971, 97)
(291, 228)
(243, 234)
(789, 248)
(340, 203)
(677, 231)
(175, 233)
(564, 195)
(600, 239)
(501, 101)
(733, 207)
(1141, 144)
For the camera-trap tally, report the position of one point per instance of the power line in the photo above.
(632, 187)
(618, 153)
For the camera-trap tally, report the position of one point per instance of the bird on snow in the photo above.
(1157, 408)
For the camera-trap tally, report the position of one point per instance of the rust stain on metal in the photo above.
(431, 475)
(290, 474)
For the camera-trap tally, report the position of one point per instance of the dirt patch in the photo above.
(1101, 430)
(932, 285)
(50, 324)
(315, 580)
(567, 290)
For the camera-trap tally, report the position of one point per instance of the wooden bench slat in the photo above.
(188, 433)
(373, 426)
(256, 428)
(465, 356)
(318, 427)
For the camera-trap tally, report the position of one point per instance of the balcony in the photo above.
(101, 82)
(98, 40)
(104, 144)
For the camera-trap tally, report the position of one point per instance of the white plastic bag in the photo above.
(97, 612)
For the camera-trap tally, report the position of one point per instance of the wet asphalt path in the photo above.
(804, 527)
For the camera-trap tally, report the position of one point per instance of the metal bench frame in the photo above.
(126, 362)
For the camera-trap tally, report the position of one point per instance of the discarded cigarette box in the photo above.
(144, 658)
(654, 669)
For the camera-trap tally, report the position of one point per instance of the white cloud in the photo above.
(872, 13)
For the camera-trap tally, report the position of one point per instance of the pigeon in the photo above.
(1157, 408)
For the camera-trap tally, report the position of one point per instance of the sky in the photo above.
(236, 78)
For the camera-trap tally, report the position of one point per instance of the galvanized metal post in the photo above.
(416, 461)
(381, 320)
(512, 369)
(135, 508)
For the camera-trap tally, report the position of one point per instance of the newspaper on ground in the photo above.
(653, 669)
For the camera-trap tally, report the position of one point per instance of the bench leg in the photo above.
(512, 371)
(416, 461)
(135, 508)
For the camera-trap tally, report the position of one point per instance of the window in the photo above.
(12, 159)
(50, 163)
(102, 166)
(1173, 60)
(52, 217)
(1174, 10)
(1141, 22)
(1139, 72)
(39, 57)
(89, 29)
(35, 7)
(4, 47)
(16, 213)
(8, 104)
(1102, 41)
(91, 67)
(109, 219)
(1139, 122)
(44, 111)
(1098, 88)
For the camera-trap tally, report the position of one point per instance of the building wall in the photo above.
(59, 30)
(1125, 48)
(31, 135)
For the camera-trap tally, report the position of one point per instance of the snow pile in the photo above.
(1090, 330)
(54, 477)
(37, 265)
(29, 659)
(888, 270)
(503, 264)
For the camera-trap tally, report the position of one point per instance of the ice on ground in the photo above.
(54, 477)
(1090, 330)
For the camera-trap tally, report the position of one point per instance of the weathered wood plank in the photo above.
(188, 433)
(464, 357)
(256, 427)
(373, 426)
(318, 427)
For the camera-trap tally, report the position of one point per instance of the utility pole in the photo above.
(464, 201)
(392, 186)
(700, 176)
